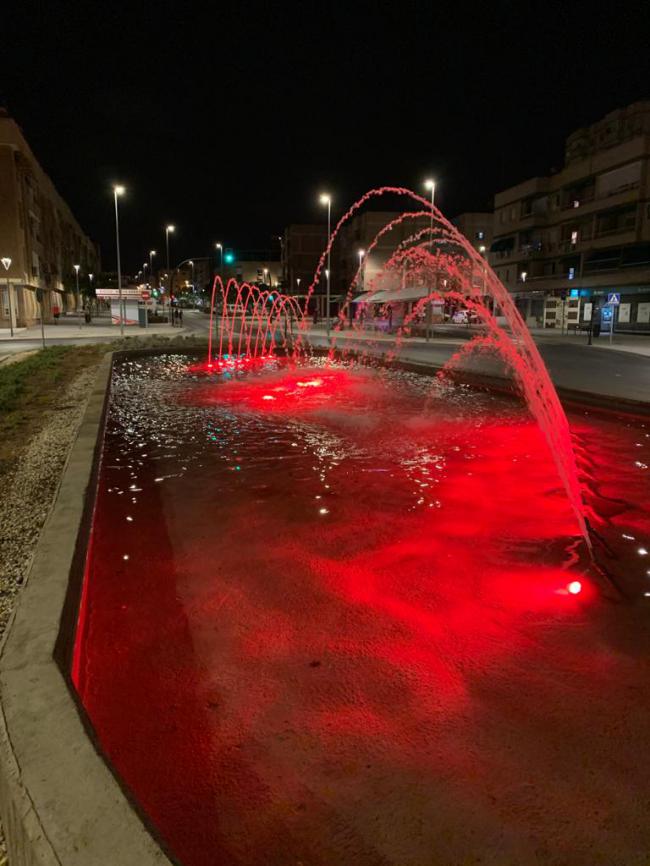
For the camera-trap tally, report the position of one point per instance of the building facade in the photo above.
(302, 247)
(257, 267)
(40, 235)
(477, 228)
(566, 243)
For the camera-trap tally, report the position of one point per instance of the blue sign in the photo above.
(614, 298)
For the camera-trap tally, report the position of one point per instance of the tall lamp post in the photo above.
(168, 230)
(430, 184)
(91, 277)
(76, 274)
(6, 263)
(220, 248)
(152, 253)
(118, 191)
(327, 200)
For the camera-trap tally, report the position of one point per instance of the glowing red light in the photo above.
(574, 587)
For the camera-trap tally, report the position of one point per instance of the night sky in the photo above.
(228, 120)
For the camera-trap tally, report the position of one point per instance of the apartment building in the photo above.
(565, 243)
(477, 228)
(40, 235)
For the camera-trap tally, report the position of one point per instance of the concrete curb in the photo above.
(59, 802)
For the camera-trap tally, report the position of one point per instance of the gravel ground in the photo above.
(27, 495)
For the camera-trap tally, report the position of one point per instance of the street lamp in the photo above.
(6, 263)
(152, 253)
(168, 230)
(220, 248)
(326, 199)
(192, 266)
(298, 285)
(430, 184)
(117, 191)
(76, 273)
(144, 270)
(361, 254)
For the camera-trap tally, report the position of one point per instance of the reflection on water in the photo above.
(408, 543)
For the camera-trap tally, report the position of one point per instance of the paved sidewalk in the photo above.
(94, 331)
(575, 367)
(638, 344)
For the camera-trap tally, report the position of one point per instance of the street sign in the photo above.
(145, 295)
(614, 298)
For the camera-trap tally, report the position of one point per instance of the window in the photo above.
(572, 273)
(480, 236)
(574, 237)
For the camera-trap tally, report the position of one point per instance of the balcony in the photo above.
(621, 195)
(534, 250)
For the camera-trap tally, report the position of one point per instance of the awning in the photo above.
(415, 293)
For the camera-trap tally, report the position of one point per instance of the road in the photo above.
(623, 374)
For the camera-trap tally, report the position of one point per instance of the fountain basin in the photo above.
(283, 697)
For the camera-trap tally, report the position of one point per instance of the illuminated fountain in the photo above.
(446, 267)
(303, 571)
(252, 324)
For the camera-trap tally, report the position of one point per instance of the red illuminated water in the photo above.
(326, 617)
(441, 261)
(253, 322)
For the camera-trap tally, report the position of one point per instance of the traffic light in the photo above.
(229, 257)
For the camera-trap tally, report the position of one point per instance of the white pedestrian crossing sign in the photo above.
(614, 298)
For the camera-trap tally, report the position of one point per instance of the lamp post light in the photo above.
(298, 285)
(118, 191)
(192, 266)
(152, 253)
(76, 273)
(326, 199)
(168, 230)
(144, 270)
(266, 277)
(361, 254)
(6, 263)
(430, 184)
(220, 248)
(91, 277)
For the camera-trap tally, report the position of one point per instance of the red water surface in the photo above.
(298, 585)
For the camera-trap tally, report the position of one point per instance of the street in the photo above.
(620, 371)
